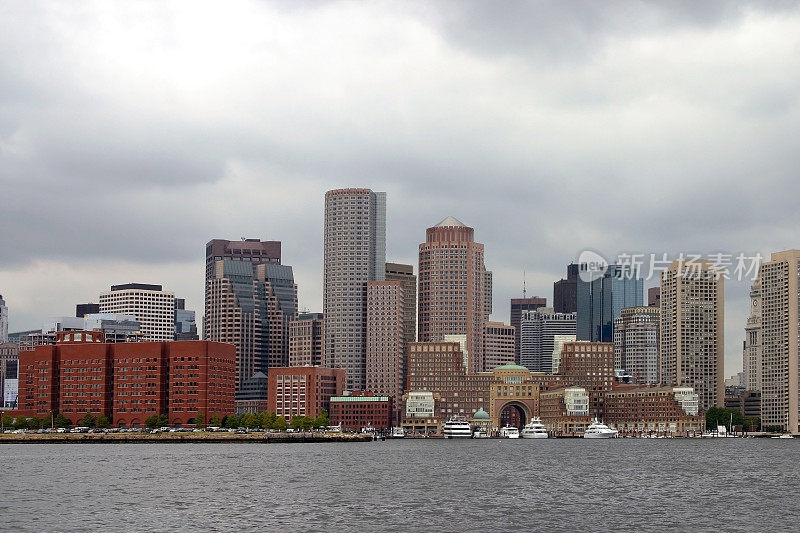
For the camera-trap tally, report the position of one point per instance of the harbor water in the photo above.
(405, 485)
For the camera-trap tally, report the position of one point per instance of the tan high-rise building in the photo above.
(751, 354)
(487, 294)
(498, 344)
(251, 305)
(780, 327)
(405, 273)
(307, 340)
(385, 338)
(153, 307)
(355, 253)
(452, 279)
(692, 319)
(636, 343)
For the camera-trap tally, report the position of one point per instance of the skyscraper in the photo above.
(185, 322)
(751, 354)
(3, 320)
(636, 346)
(565, 291)
(153, 307)
(518, 305)
(250, 305)
(452, 287)
(385, 338)
(355, 254)
(692, 340)
(602, 300)
(539, 328)
(487, 294)
(405, 273)
(498, 344)
(780, 332)
(307, 340)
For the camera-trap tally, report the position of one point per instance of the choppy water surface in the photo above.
(429, 485)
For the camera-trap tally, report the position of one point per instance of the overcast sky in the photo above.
(133, 133)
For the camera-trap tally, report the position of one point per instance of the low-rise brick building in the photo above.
(303, 390)
(362, 409)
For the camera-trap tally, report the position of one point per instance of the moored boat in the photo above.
(598, 430)
(509, 432)
(457, 428)
(534, 429)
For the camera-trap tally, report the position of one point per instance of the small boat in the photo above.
(784, 436)
(598, 430)
(480, 433)
(457, 428)
(509, 432)
(398, 433)
(534, 429)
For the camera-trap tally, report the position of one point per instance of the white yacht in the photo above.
(398, 433)
(457, 428)
(480, 433)
(784, 436)
(598, 430)
(509, 432)
(534, 429)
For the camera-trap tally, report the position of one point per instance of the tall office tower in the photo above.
(81, 310)
(539, 328)
(307, 340)
(152, 306)
(602, 300)
(405, 273)
(385, 338)
(247, 250)
(250, 305)
(692, 340)
(498, 344)
(636, 343)
(751, 355)
(185, 322)
(3, 320)
(451, 288)
(565, 299)
(487, 294)
(518, 305)
(654, 297)
(780, 329)
(355, 253)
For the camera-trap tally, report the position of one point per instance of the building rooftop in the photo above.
(450, 222)
(359, 399)
(509, 367)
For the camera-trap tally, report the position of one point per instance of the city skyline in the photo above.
(687, 153)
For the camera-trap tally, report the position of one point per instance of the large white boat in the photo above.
(534, 429)
(509, 432)
(457, 428)
(598, 430)
(784, 436)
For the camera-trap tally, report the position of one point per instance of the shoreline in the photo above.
(177, 438)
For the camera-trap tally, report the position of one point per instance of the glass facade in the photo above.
(602, 300)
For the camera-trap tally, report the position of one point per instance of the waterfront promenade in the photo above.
(167, 437)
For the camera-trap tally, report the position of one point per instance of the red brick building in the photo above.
(362, 409)
(303, 390)
(589, 365)
(128, 382)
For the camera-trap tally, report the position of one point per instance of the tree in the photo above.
(280, 424)
(156, 421)
(719, 416)
(200, 420)
(89, 420)
(250, 421)
(268, 420)
(215, 421)
(34, 423)
(20, 422)
(102, 421)
(61, 421)
(8, 420)
(231, 421)
(322, 421)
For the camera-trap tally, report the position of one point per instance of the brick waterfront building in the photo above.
(362, 409)
(303, 391)
(662, 409)
(589, 365)
(127, 382)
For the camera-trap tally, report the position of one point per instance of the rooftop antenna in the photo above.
(524, 288)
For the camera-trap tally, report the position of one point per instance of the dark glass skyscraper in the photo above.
(602, 300)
